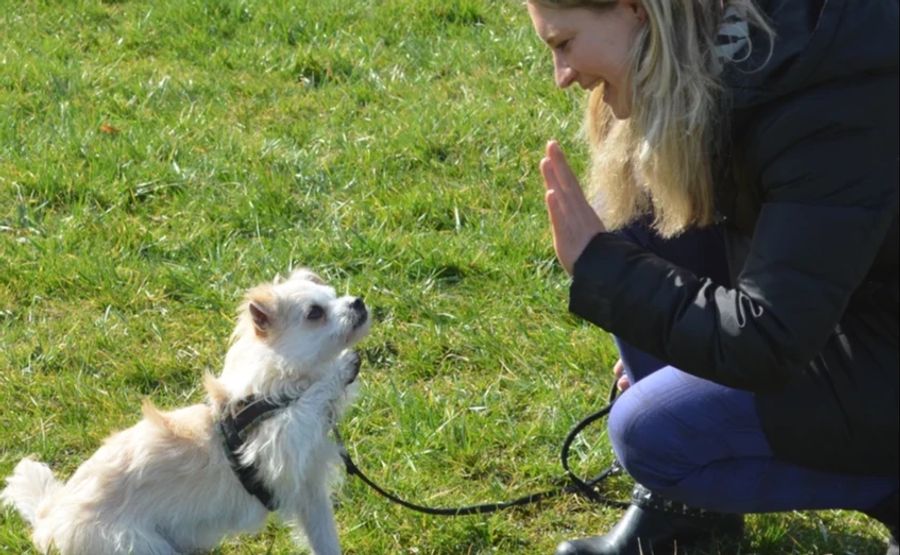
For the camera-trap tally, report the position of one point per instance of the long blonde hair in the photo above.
(659, 161)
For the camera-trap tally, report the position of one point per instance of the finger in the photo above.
(561, 168)
(622, 384)
(561, 218)
(558, 230)
(554, 211)
(549, 175)
(619, 368)
(556, 202)
(572, 199)
(562, 202)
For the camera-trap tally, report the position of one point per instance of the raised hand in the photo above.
(572, 219)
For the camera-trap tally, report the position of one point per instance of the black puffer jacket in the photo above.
(810, 205)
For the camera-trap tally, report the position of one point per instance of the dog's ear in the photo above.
(218, 395)
(261, 306)
(262, 318)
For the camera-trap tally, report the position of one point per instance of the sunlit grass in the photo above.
(157, 158)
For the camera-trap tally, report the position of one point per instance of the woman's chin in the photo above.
(619, 109)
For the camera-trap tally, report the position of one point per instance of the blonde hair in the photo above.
(659, 161)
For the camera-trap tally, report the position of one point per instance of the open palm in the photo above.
(572, 219)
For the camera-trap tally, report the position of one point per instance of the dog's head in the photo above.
(301, 322)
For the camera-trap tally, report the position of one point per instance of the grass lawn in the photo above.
(159, 157)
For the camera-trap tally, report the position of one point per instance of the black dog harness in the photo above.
(235, 428)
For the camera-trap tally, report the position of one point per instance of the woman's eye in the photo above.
(564, 44)
(315, 312)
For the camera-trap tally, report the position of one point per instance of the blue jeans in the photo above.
(702, 443)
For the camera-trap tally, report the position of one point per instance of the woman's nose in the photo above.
(563, 74)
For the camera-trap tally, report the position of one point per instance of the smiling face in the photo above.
(593, 46)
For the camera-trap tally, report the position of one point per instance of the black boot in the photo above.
(887, 512)
(655, 525)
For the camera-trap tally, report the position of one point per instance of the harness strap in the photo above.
(235, 427)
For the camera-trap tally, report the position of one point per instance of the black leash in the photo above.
(586, 488)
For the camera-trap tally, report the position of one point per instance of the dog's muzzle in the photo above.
(360, 313)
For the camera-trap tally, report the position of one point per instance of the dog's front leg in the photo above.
(316, 519)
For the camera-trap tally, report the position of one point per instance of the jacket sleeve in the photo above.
(830, 192)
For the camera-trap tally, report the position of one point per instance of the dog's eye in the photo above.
(315, 312)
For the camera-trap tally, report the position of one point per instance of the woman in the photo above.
(745, 163)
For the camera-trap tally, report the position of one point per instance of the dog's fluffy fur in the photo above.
(165, 486)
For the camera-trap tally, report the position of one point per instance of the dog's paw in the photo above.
(350, 364)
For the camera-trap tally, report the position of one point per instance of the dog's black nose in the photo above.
(360, 314)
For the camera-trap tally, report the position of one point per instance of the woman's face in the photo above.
(593, 46)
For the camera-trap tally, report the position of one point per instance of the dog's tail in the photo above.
(31, 482)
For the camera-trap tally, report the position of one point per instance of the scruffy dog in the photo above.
(177, 483)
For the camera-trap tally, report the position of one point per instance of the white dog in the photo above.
(180, 481)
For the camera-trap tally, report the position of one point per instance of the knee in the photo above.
(624, 429)
(641, 439)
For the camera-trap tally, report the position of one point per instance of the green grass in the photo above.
(158, 158)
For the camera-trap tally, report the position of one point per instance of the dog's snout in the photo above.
(360, 314)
